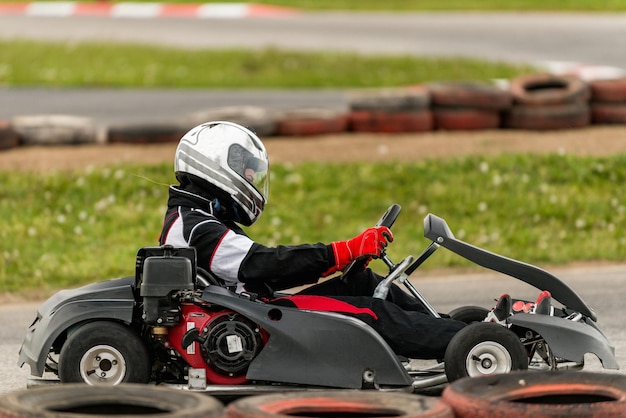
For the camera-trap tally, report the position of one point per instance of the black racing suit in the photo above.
(226, 251)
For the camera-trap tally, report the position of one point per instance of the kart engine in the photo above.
(224, 343)
(162, 277)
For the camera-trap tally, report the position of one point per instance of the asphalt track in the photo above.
(597, 38)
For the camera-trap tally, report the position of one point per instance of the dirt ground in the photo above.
(599, 140)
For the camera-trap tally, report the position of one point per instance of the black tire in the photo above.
(539, 118)
(259, 120)
(403, 99)
(608, 113)
(391, 122)
(608, 91)
(146, 133)
(8, 137)
(469, 314)
(309, 122)
(484, 348)
(473, 95)
(78, 400)
(539, 394)
(104, 353)
(465, 119)
(56, 130)
(549, 89)
(338, 403)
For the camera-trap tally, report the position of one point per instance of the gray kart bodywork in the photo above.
(315, 348)
(567, 339)
(331, 350)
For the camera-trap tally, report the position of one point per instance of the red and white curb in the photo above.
(145, 10)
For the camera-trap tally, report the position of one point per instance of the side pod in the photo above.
(348, 350)
(567, 339)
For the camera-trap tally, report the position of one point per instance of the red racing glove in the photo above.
(369, 243)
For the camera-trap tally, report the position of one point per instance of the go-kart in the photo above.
(172, 323)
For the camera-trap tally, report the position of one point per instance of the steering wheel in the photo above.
(388, 219)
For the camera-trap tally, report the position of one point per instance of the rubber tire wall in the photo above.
(608, 113)
(608, 91)
(81, 401)
(311, 126)
(390, 100)
(390, 122)
(470, 95)
(548, 89)
(539, 395)
(468, 106)
(8, 137)
(56, 130)
(608, 101)
(338, 403)
(465, 119)
(146, 134)
(567, 116)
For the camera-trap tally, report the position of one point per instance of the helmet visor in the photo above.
(252, 168)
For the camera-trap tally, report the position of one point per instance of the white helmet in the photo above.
(232, 159)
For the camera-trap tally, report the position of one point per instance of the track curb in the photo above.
(146, 10)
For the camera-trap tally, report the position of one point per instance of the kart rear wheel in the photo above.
(469, 314)
(104, 353)
(484, 348)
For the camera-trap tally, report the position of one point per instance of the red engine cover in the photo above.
(194, 316)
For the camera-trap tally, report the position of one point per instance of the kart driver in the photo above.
(223, 173)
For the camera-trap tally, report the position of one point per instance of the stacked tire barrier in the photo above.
(534, 102)
(608, 101)
(339, 403)
(390, 110)
(545, 102)
(133, 400)
(308, 122)
(57, 130)
(533, 394)
(128, 400)
(522, 394)
(260, 120)
(468, 106)
(8, 136)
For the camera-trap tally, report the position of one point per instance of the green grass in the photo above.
(69, 228)
(24, 63)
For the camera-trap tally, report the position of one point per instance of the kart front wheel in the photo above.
(484, 348)
(469, 314)
(104, 353)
